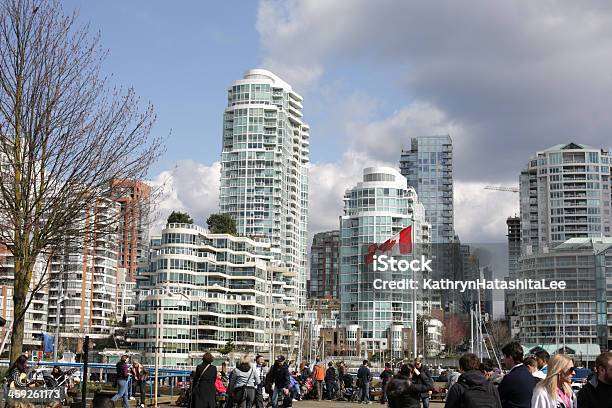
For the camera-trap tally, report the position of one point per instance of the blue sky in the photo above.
(503, 79)
(182, 59)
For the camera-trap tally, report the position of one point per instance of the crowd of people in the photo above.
(537, 381)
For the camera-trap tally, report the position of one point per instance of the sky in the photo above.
(504, 79)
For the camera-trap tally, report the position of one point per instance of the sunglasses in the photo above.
(569, 370)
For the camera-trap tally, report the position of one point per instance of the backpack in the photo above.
(479, 396)
(319, 373)
(269, 380)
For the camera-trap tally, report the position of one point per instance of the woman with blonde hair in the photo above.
(243, 383)
(555, 391)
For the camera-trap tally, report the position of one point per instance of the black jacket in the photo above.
(466, 380)
(330, 374)
(595, 394)
(281, 376)
(516, 388)
(204, 391)
(401, 393)
(424, 378)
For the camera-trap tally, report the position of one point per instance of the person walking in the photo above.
(318, 375)
(516, 388)
(402, 391)
(423, 376)
(139, 378)
(364, 376)
(385, 377)
(555, 391)
(597, 392)
(203, 394)
(472, 389)
(331, 380)
(280, 378)
(243, 383)
(123, 373)
(260, 372)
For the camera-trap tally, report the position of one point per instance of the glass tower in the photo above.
(375, 210)
(428, 167)
(264, 173)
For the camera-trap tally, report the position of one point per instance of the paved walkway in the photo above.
(344, 404)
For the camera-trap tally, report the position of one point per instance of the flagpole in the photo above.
(414, 316)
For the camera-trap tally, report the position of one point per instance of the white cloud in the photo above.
(327, 185)
(189, 187)
(480, 215)
(384, 139)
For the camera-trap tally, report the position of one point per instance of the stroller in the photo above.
(349, 392)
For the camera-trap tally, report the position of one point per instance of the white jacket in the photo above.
(541, 399)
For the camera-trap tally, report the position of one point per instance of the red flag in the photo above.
(405, 240)
(387, 245)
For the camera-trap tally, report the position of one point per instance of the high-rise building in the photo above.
(514, 252)
(264, 173)
(428, 167)
(83, 277)
(36, 317)
(582, 312)
(204, 290)
(133, 197)
(375, 210)
(564, 193)
(324, 279)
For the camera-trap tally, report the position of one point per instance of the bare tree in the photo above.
(453, 331)
(64, 136)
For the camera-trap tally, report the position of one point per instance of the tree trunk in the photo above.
(19, 305)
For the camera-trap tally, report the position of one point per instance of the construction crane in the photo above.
(502, 188)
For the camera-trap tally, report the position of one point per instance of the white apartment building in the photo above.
(36, 316)
(375, 210)
(582, 312)
(264, 173)
(204, 290)
(84, 278)
(565, 193)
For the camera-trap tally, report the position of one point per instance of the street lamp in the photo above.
(158, 339)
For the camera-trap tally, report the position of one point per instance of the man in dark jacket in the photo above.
(364, 376)
(281, 381)
(331, 380)
(402, 391)
(422, 376)
(597, 392)
(472, 388)
(385, 376)
(516, 388)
